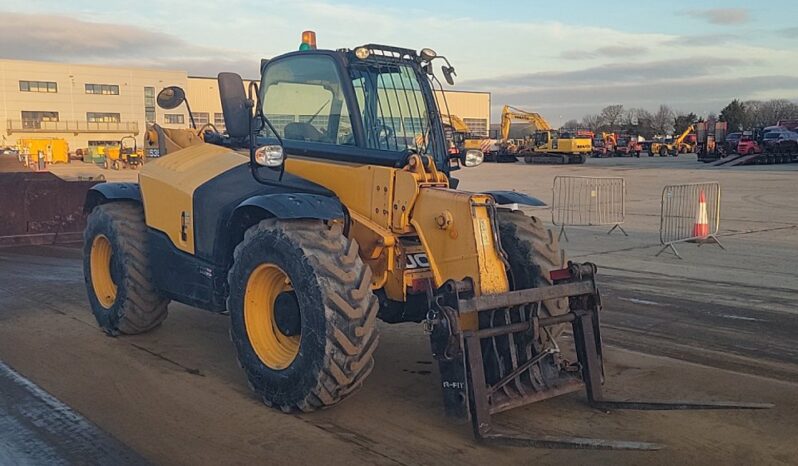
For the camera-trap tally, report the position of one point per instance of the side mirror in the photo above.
(171, 97)
(235, 105)
(448, 72)
(473, 157)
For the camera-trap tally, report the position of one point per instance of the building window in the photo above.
(38, 86)
(98, 117)
(218, 120)
(173, 118)
(200, 118)
(104, 89)
(34, 120)
(477, 126)
(149, 104)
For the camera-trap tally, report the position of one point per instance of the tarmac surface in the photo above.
(716, 325)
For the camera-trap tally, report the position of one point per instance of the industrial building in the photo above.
(95, 105)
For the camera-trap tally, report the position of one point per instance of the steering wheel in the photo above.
(205, 127)
(384, 134)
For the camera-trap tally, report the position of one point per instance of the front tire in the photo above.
(316, 350)
(532, 252)
(116, 270)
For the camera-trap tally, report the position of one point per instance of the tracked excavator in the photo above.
(545, 145)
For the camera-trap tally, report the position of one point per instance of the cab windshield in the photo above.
(393, 108)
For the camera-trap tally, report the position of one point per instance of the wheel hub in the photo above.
(286, 314)
(274, 339)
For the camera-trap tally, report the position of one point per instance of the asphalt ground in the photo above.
(715, 325)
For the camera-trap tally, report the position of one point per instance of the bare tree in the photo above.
(662, 120)
(611, 115)
(571, 124)
(637, 121)
(768, 113)
(592, 122)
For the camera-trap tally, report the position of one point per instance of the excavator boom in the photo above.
(455, 122)
(511, 113)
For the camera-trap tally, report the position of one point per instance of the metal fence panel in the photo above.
(588, 201)
(681, 210)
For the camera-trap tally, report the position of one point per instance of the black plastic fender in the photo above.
(107, 192)
(514, 197)
(292, 206)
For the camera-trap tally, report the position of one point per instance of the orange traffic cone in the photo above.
(701, 226)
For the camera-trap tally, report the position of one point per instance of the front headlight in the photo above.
(473, 158)
(269, 156)
(362, 53)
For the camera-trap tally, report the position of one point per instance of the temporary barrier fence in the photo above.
(588, 201)
(689, 212)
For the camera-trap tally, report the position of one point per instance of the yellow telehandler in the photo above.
(330, 203)
(677, 146)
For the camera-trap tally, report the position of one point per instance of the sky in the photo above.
(563, 60)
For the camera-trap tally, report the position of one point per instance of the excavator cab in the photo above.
(541, 138)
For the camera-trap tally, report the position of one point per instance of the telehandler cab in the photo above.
(329, 203)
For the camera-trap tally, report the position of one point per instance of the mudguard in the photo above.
(514, 197)
(293, 206)
(105, 192)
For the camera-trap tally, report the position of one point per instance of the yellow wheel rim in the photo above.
(274, 349)
(101, 280)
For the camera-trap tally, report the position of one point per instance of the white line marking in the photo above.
(751, 319)
(640, 301)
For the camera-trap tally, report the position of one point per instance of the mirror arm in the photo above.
(254, 167)
(190, 115)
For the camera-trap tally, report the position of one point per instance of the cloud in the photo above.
(698, 84)
(623, 72)
(700, 72)
(610, 51)
(721, 16)
(791, 32)
(574, 101)
(694, 40)
(66, 39)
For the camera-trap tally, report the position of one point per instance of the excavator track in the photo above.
(544, 158)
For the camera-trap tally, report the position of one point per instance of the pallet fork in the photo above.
(473, 389)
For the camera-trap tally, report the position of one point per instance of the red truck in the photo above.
(748, 145)
(628, 146)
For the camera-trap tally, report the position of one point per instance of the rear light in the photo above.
(420, 285)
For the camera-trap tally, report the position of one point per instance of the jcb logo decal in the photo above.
(417, 260)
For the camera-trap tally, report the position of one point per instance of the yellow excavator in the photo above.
(675, 147)
(546, 145)
(460, 137)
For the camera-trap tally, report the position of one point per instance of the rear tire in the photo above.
(116, 270)
(331, 348)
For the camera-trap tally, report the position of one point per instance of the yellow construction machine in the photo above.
(460, 135)
(545, 145)
(675, 147)
(330, 203)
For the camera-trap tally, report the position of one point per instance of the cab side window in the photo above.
(303, 99)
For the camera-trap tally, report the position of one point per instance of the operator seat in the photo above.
(303, 132)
